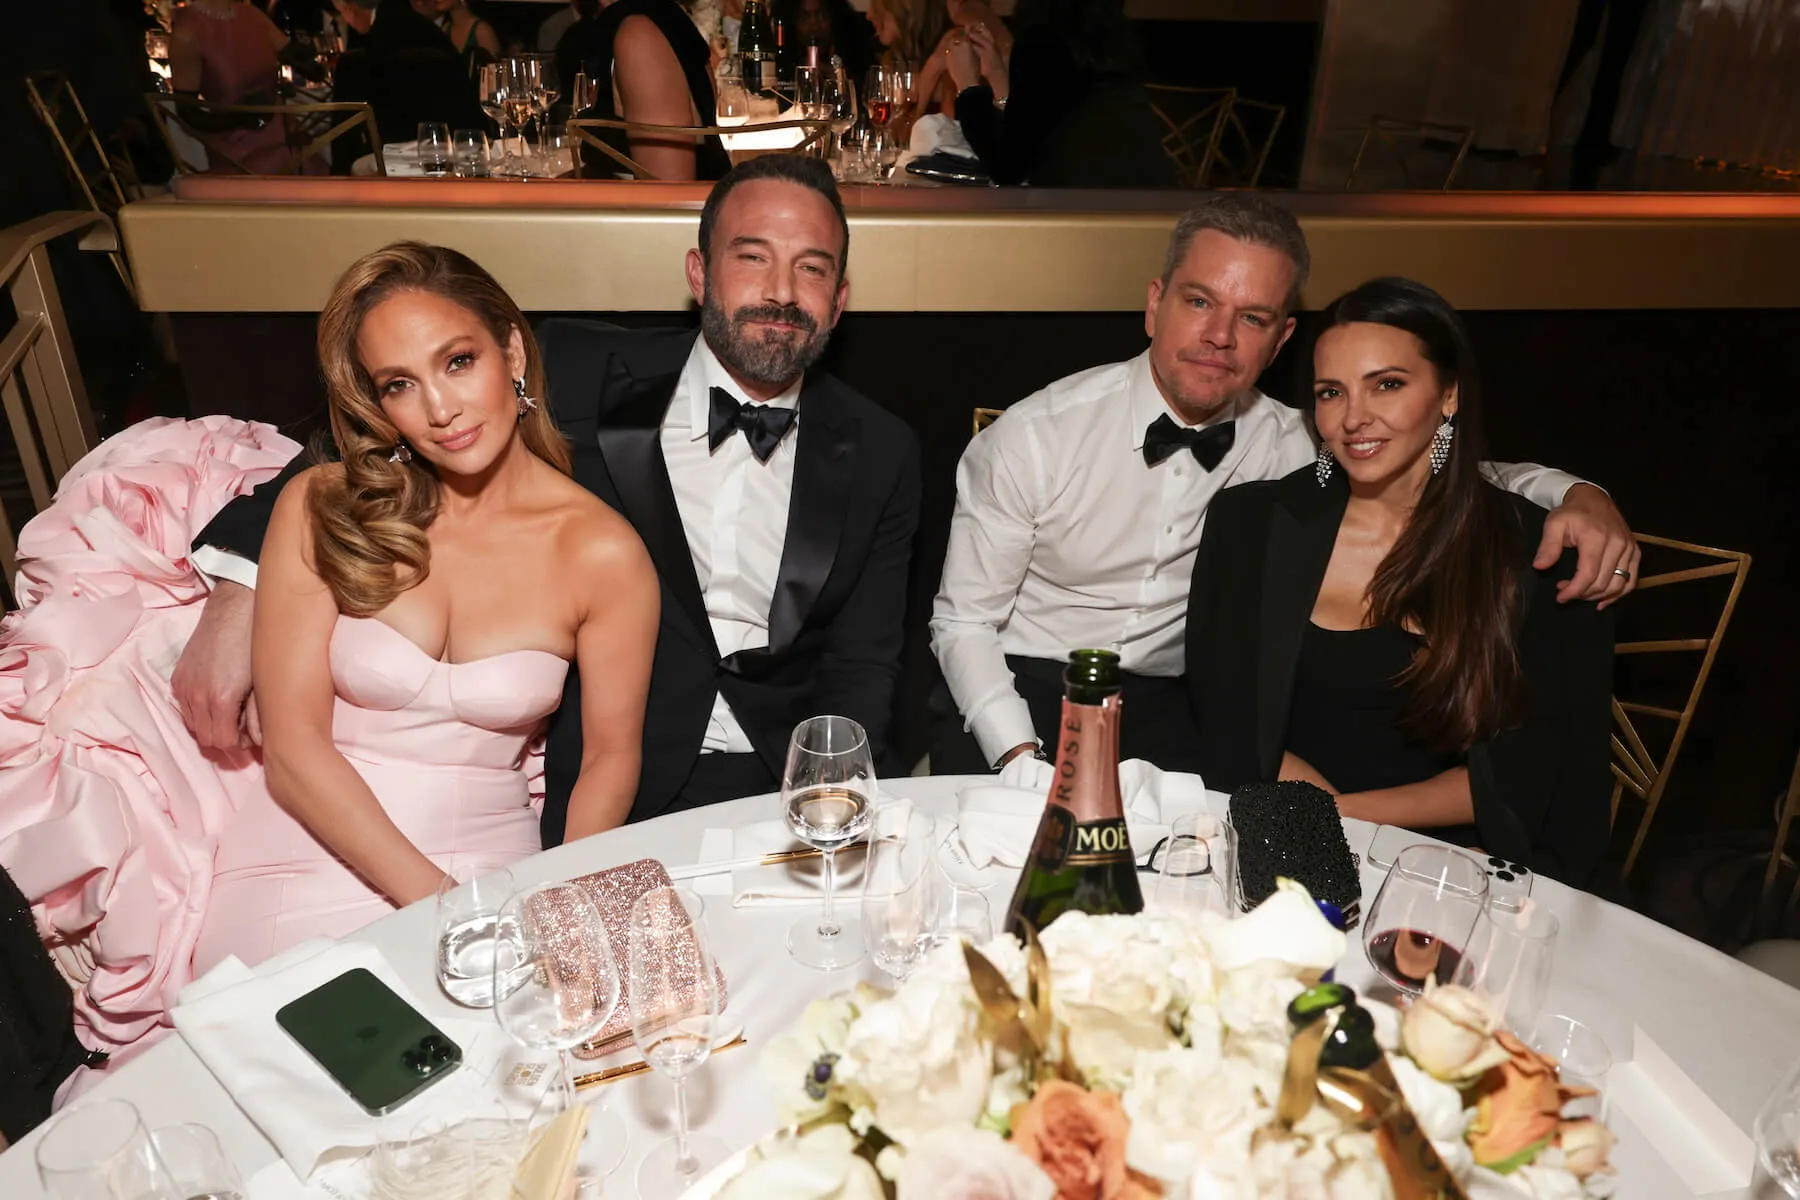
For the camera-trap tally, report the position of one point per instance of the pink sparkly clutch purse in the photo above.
(614, 891)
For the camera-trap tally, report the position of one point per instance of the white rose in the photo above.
(1189, 1107)
(791, 1060)
(1287, 927)
(970, 1164)
(1253, 1001)
(1450, 1032)
(919, 1059)
(1440, 1113)
(819, 1165)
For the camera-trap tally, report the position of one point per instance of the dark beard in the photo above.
(768, 361)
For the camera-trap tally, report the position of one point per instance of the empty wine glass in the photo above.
(434, 148)
(826, 795)
(672, 988)
(101, 1151)
(900, 903)
(555, 986)
(470, 148)
(1423, 915)
(492, 85)
(837, 98)
(1582, 1057)
(1777, 1133)
(466, 914)
(1509, 959)
(196, 1165)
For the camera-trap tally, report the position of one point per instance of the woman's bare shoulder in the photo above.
(591, 534)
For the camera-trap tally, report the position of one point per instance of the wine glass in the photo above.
(1777, 1133)
(555, 986)
(879, 95)
(196, 1165)
(1582, 1060)
(1423, 915)
(1509, 959)
(673, 991)
(520, 75)
(548, 87)
(434, 148)
(963, 915)
(101, 1151)
(492, 84)
(466, 915)
(583, 95)
(826, 795)
(900, 903)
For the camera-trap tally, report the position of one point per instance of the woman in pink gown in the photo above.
(418, 606)
(229, 52)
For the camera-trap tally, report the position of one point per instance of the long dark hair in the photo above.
(1095, 32)
(1449, 575)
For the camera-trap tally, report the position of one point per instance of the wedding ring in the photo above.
(1621, 573)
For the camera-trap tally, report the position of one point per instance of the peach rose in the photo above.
(1078, 1138)
(1520, 1107)
(1585, 1144)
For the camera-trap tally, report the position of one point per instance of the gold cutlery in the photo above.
(627, 1070)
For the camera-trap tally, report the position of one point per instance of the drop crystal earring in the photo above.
(1440, 445)
(1323, 466)
(402, 453)
(525, 402)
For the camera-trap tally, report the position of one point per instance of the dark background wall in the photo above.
(1683, 416)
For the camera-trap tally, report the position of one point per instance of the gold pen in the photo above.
(774, 859)
(627, 1070)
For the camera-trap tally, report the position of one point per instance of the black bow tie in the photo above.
(1210, 445)
(763, 425)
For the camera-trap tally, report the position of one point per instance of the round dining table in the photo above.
(1730, 1030)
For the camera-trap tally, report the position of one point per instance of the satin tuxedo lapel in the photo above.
(1302, 532)
(824, 470)
(630, 441)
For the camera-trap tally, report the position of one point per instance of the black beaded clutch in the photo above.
(1291, 830)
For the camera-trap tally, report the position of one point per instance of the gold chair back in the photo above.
(1635, 768)
(309, 128)
(985, 417)
(584, 129)
(1194, 120)
(108, 181)
(1388, 130)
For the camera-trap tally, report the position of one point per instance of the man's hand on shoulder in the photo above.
(212, 679)
(1606, 553)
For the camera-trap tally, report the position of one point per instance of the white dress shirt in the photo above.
(735, 513)
(1063, 538)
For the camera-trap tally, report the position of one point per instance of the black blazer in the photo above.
(835, 625)
(1540, 790)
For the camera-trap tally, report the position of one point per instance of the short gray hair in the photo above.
(1248, 218)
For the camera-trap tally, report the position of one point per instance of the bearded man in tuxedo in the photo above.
(778, 504)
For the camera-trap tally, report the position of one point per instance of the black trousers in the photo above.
(1158, 725)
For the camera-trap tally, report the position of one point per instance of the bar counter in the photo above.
(224, 244)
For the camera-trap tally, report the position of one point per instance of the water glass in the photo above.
(900, 903)
(470, 149)
(672, 988)
(1423, 916)
(466, 915)
(583, 95)
(963, 915)
(827, 792)
(1195, 867)
(195, 1163)
(101, 1151)
(1777, 1133)
(434, 148)
(1509, 959)
(1581, 1057)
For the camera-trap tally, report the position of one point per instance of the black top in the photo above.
(408, 71)
(1343, 718)
(1540, 790)
(588, 47)
(1063, 126)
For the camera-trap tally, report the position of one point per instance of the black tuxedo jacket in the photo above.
(835, 624)
(1540, 791)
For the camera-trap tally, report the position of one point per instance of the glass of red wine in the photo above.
(1423, 915)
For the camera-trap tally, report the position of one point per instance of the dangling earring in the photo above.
(402, 453)
(1322, 468)
(1440, 445)
(525, 402)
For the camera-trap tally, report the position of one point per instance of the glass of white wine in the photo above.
(827, 796)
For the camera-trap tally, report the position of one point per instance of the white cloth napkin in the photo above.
(996, 821)
(228, 1017)
(940, 134)
(794, 883)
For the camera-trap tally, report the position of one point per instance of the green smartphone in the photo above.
(379, 1048)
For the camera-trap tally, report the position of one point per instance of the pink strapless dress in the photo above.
(443, 747)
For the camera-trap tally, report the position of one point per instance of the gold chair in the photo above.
(1388, 128)
(108, 181)
(1790, 809)
(1634, 766)
(985, 417)
(1240, 154)
(309, 129)
(583, 128)
(1195, 120)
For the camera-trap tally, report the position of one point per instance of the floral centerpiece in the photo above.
(1141, 1056)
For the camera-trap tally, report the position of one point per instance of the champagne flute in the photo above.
(826, 796)
(101, 1151)
(673, 991)
(555, 986)
(1423, 915)
(900, 903)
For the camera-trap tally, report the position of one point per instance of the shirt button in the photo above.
(1168, 529)
(1178, 470)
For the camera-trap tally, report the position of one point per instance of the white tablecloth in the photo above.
(1732, 1029)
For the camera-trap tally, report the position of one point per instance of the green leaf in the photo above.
(1507, 1166)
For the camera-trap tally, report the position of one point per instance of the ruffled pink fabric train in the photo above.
(109, 810)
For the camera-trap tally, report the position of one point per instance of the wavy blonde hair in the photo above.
(922, 23)
(369, 521)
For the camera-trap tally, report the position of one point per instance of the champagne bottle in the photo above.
(756, 48)
(1081, 858)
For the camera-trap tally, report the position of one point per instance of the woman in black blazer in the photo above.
(1373, 624)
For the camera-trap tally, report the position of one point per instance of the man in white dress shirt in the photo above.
(1079, 511)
